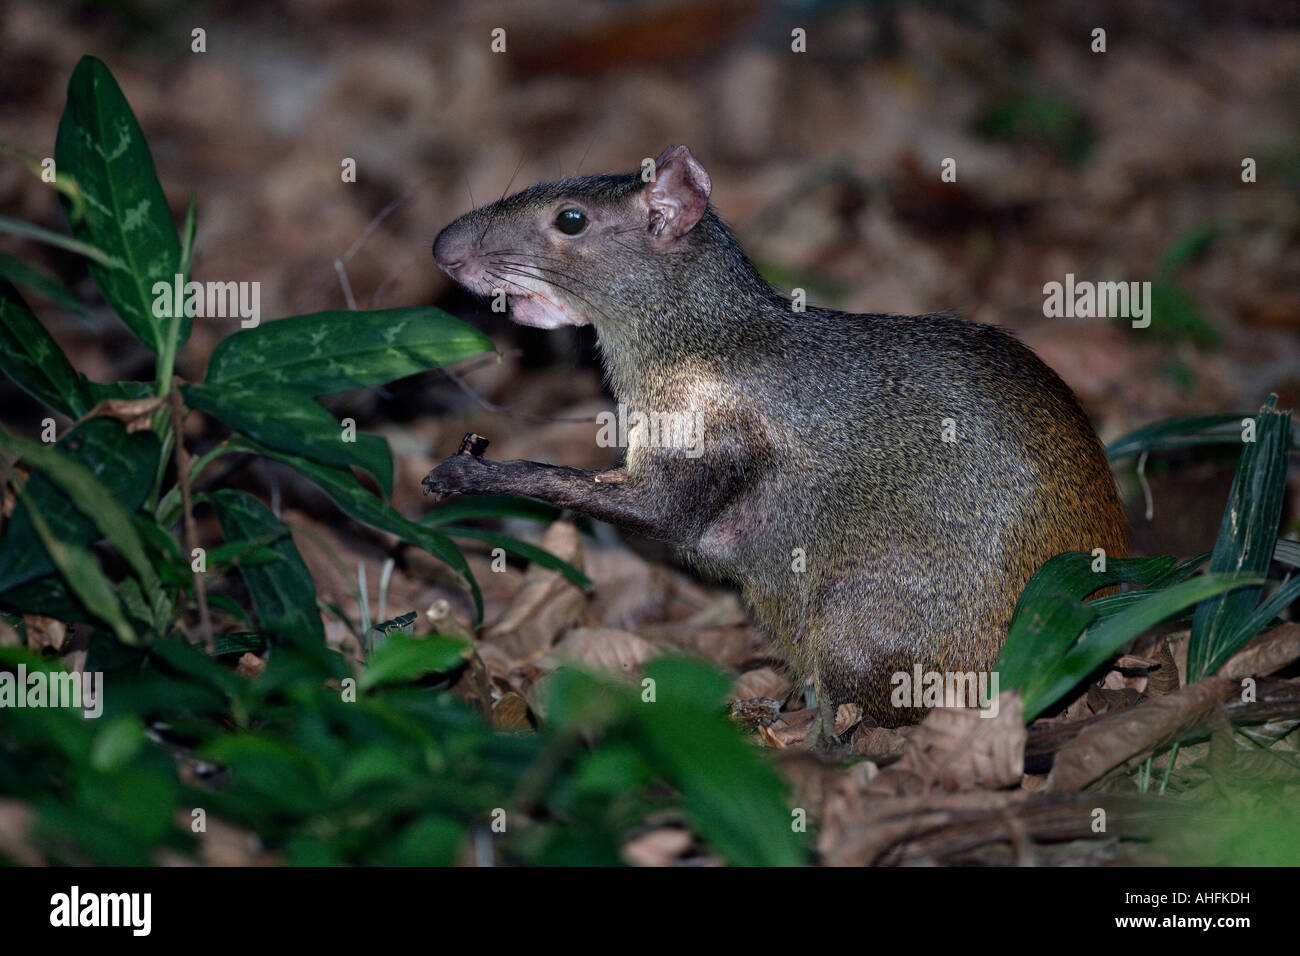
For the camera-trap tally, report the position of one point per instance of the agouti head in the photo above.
(608, 250)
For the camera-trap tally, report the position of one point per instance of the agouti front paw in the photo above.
(457, 475)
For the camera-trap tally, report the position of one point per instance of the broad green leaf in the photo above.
(1107, 636)
(86, 579)
(41, 282)
(403, 658)
(50, 596)
(432, 840)
(1113, 603)
(31, 357)
(285, 779)
(1287, 552)
(117, 742)
(734, 797)
(282, 591)
(126, 215)
(1268, 609)
(341, 485)
(238, 642)
(1051, 613)
(1179, 433)
(126, 391)
(1245, 544)
(529, 552)
(329, 352)
(1187, 247)
(107, 477)
(293, 422)
(489, 506)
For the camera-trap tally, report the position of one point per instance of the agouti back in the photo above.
(881, 487)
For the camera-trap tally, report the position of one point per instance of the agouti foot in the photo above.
(821, 732)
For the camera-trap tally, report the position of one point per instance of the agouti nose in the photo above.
(449, 251)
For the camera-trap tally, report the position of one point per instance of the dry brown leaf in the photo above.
(605, 649)
(877, 741)
(16, 822)
(1107, 699)
(659, 847)
(510, 713)
(790, 730)
(135, 413)
(1164, 679)
(1113, 740)
(755, 712)
(728, 646)
(547, 605)
(223, 844)
(44, 632)
(1177, 644)
(955, 748)
(1270, 652)
(761, 682)
(847, 716)
(627, 590)
(250, 665)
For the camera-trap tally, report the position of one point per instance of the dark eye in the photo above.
(571, 221)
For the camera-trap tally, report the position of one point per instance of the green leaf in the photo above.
(1178, 317)
(1281, 599)
(489, 506)
(1287, 552)
(342, 486)
(272, 772)
(16, 227)
(329, 352)
(529, 552)
(117, 742)
(282, 591)
(1051, 614)
(291, 421)
(734, 797)
(86, 486)
(1245, 543)
(100, 143)
(40, 282)
(1187, 247)
(403, 658)
(432, 840)
(86, 579)
(1179, 433)
(126, 391)
(31, 357)
(1107, 636)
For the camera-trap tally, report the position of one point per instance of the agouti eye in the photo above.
(571, 221)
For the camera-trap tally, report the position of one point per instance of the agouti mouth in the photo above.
(542, 311)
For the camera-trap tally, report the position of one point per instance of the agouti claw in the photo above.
(821, 732)
(461, 474)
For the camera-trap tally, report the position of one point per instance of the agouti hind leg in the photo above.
(821, 732)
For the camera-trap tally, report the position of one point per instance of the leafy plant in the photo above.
(325, 760)
(261, 382)
(1057, 639)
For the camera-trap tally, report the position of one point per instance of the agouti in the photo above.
(881, 487)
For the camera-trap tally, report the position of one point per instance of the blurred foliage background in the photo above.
(1123, 165)
(1116, 166)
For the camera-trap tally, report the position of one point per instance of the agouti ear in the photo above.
(678, 195)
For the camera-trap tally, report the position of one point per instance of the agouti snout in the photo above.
(880, 487)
